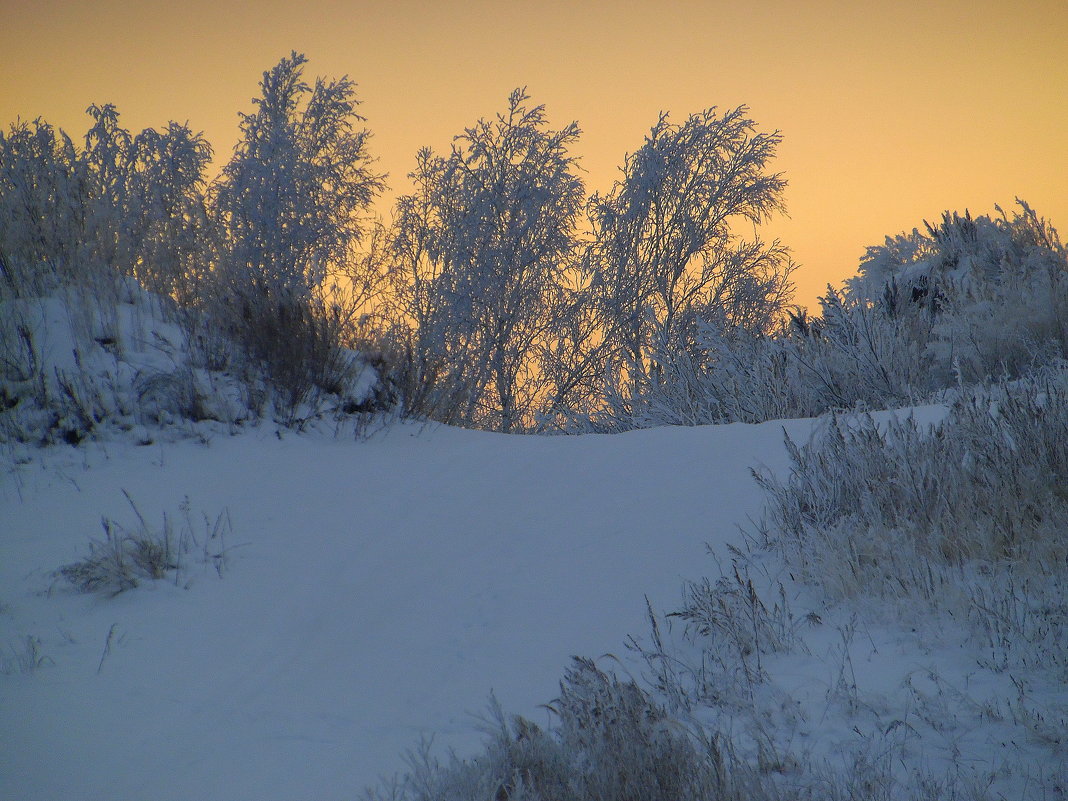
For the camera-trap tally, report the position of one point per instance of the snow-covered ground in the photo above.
(375, 592)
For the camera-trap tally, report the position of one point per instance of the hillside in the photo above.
(324, 603)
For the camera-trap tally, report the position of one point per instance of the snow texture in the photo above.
(376, 592)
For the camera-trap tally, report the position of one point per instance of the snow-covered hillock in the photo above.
(374, 591)
(185, 613)
(124, 363)
(350, 613)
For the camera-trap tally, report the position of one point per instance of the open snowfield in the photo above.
(374, 592)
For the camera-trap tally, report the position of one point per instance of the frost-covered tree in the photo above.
(42, 211)
(292, 197)
(169, 208)
(483, 244)
(107, 164)
(65, 210)
(666, 252)
(290, 205)
(119, 206)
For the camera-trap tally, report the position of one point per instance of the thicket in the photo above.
(967, 302)
(498, 296)
(134, 291)
(969, 515)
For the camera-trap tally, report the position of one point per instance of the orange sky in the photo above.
(890, 114)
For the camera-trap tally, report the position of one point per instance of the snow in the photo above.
(376, 592)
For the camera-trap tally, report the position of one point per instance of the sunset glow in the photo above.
(889, 115)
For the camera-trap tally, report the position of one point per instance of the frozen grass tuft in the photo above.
(124, 557)
(24, 658)
(610, 740)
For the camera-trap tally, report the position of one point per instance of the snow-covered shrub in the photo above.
(611, 741)
(41, 209)
(970, 301)
(969, 514)
(81, 231)
(983, 298)
(431, 386)
(295, 346)
(126, 298)
(120, 206)
(851, 358)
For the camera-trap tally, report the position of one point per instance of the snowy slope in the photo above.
(376, 592)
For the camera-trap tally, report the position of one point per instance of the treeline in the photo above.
(501, 295)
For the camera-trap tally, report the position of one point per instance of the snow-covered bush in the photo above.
(128, 297)
(851, 358)
(984, 298)
(120, 206)
(610, 741)
(295, 346)
(81, 231)
(41, 209)
(971, 301)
